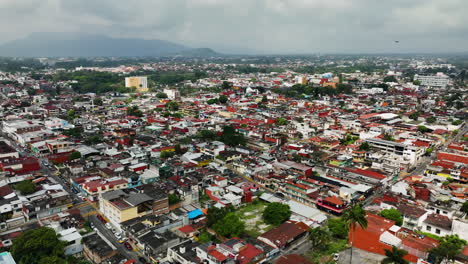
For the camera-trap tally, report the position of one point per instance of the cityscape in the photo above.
(121, 149)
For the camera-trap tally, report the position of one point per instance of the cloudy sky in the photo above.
(267, 26)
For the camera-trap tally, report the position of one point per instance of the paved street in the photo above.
(111, 238)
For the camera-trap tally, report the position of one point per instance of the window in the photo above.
(437, 231)
(428, 228)
(445, 212)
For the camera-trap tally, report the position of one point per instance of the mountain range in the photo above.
(85, 45)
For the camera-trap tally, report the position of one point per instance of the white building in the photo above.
(172, 94)
(72, 238)
(439, 80)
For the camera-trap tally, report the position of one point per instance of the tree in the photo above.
(388, 137)
(71, 114)
(464, 207)
(281, 121)
(98, 101)
(226, 85)
(319, 237)
(229, 226)
(264, 99)
(52, 260)
(204, 237)
(364, 146)
(172, 106)
(338, 228)
(390, 78)
(223, 99)
(354, 216)
(173, 198)
(449, 247)
(212, 101)
(417, 82)
(215, 215)
(457, 122)
(36, 246)
(231, 137)
(276, 213)
(161, 95)
(395, 256)
(26, 187)
(414, 115)
(134, 111)
(75, 155)
(166, 154)
(431, 119)
(392, 214)
(207, 134)
(423, 129)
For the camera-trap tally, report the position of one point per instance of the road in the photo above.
(111, 238)
(87, 210)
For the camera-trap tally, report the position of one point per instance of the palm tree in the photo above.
(395, 256)
(355, 215)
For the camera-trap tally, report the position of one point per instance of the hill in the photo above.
(83, 45)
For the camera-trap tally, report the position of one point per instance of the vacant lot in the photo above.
(251, 214)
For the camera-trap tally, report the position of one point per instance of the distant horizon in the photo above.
(78, 35)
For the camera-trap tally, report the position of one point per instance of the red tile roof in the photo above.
(217, 255)
(247, 253)
(187, 229)
(284, 233)
(334, 200)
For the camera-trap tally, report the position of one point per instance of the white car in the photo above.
(118, 235)
(336, 256)
(108, 225)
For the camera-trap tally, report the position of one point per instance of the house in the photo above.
(97, 249)
(382, 234)
(183, 253)
(94, 188)
(413, 216)
(155, 245)
(437, 224)
(72, 239)
(7, 151)
(285, 234)
(119, 206)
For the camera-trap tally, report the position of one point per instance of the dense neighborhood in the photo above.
(321, 159)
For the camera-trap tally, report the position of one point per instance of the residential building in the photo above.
(138, 82)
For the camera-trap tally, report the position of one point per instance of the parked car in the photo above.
(108, 226)
(336, 256)
(118, 235)
(128, 246)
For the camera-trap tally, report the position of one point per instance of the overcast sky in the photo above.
(268, 26)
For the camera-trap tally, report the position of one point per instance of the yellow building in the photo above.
(140, 83)
(119, 206)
